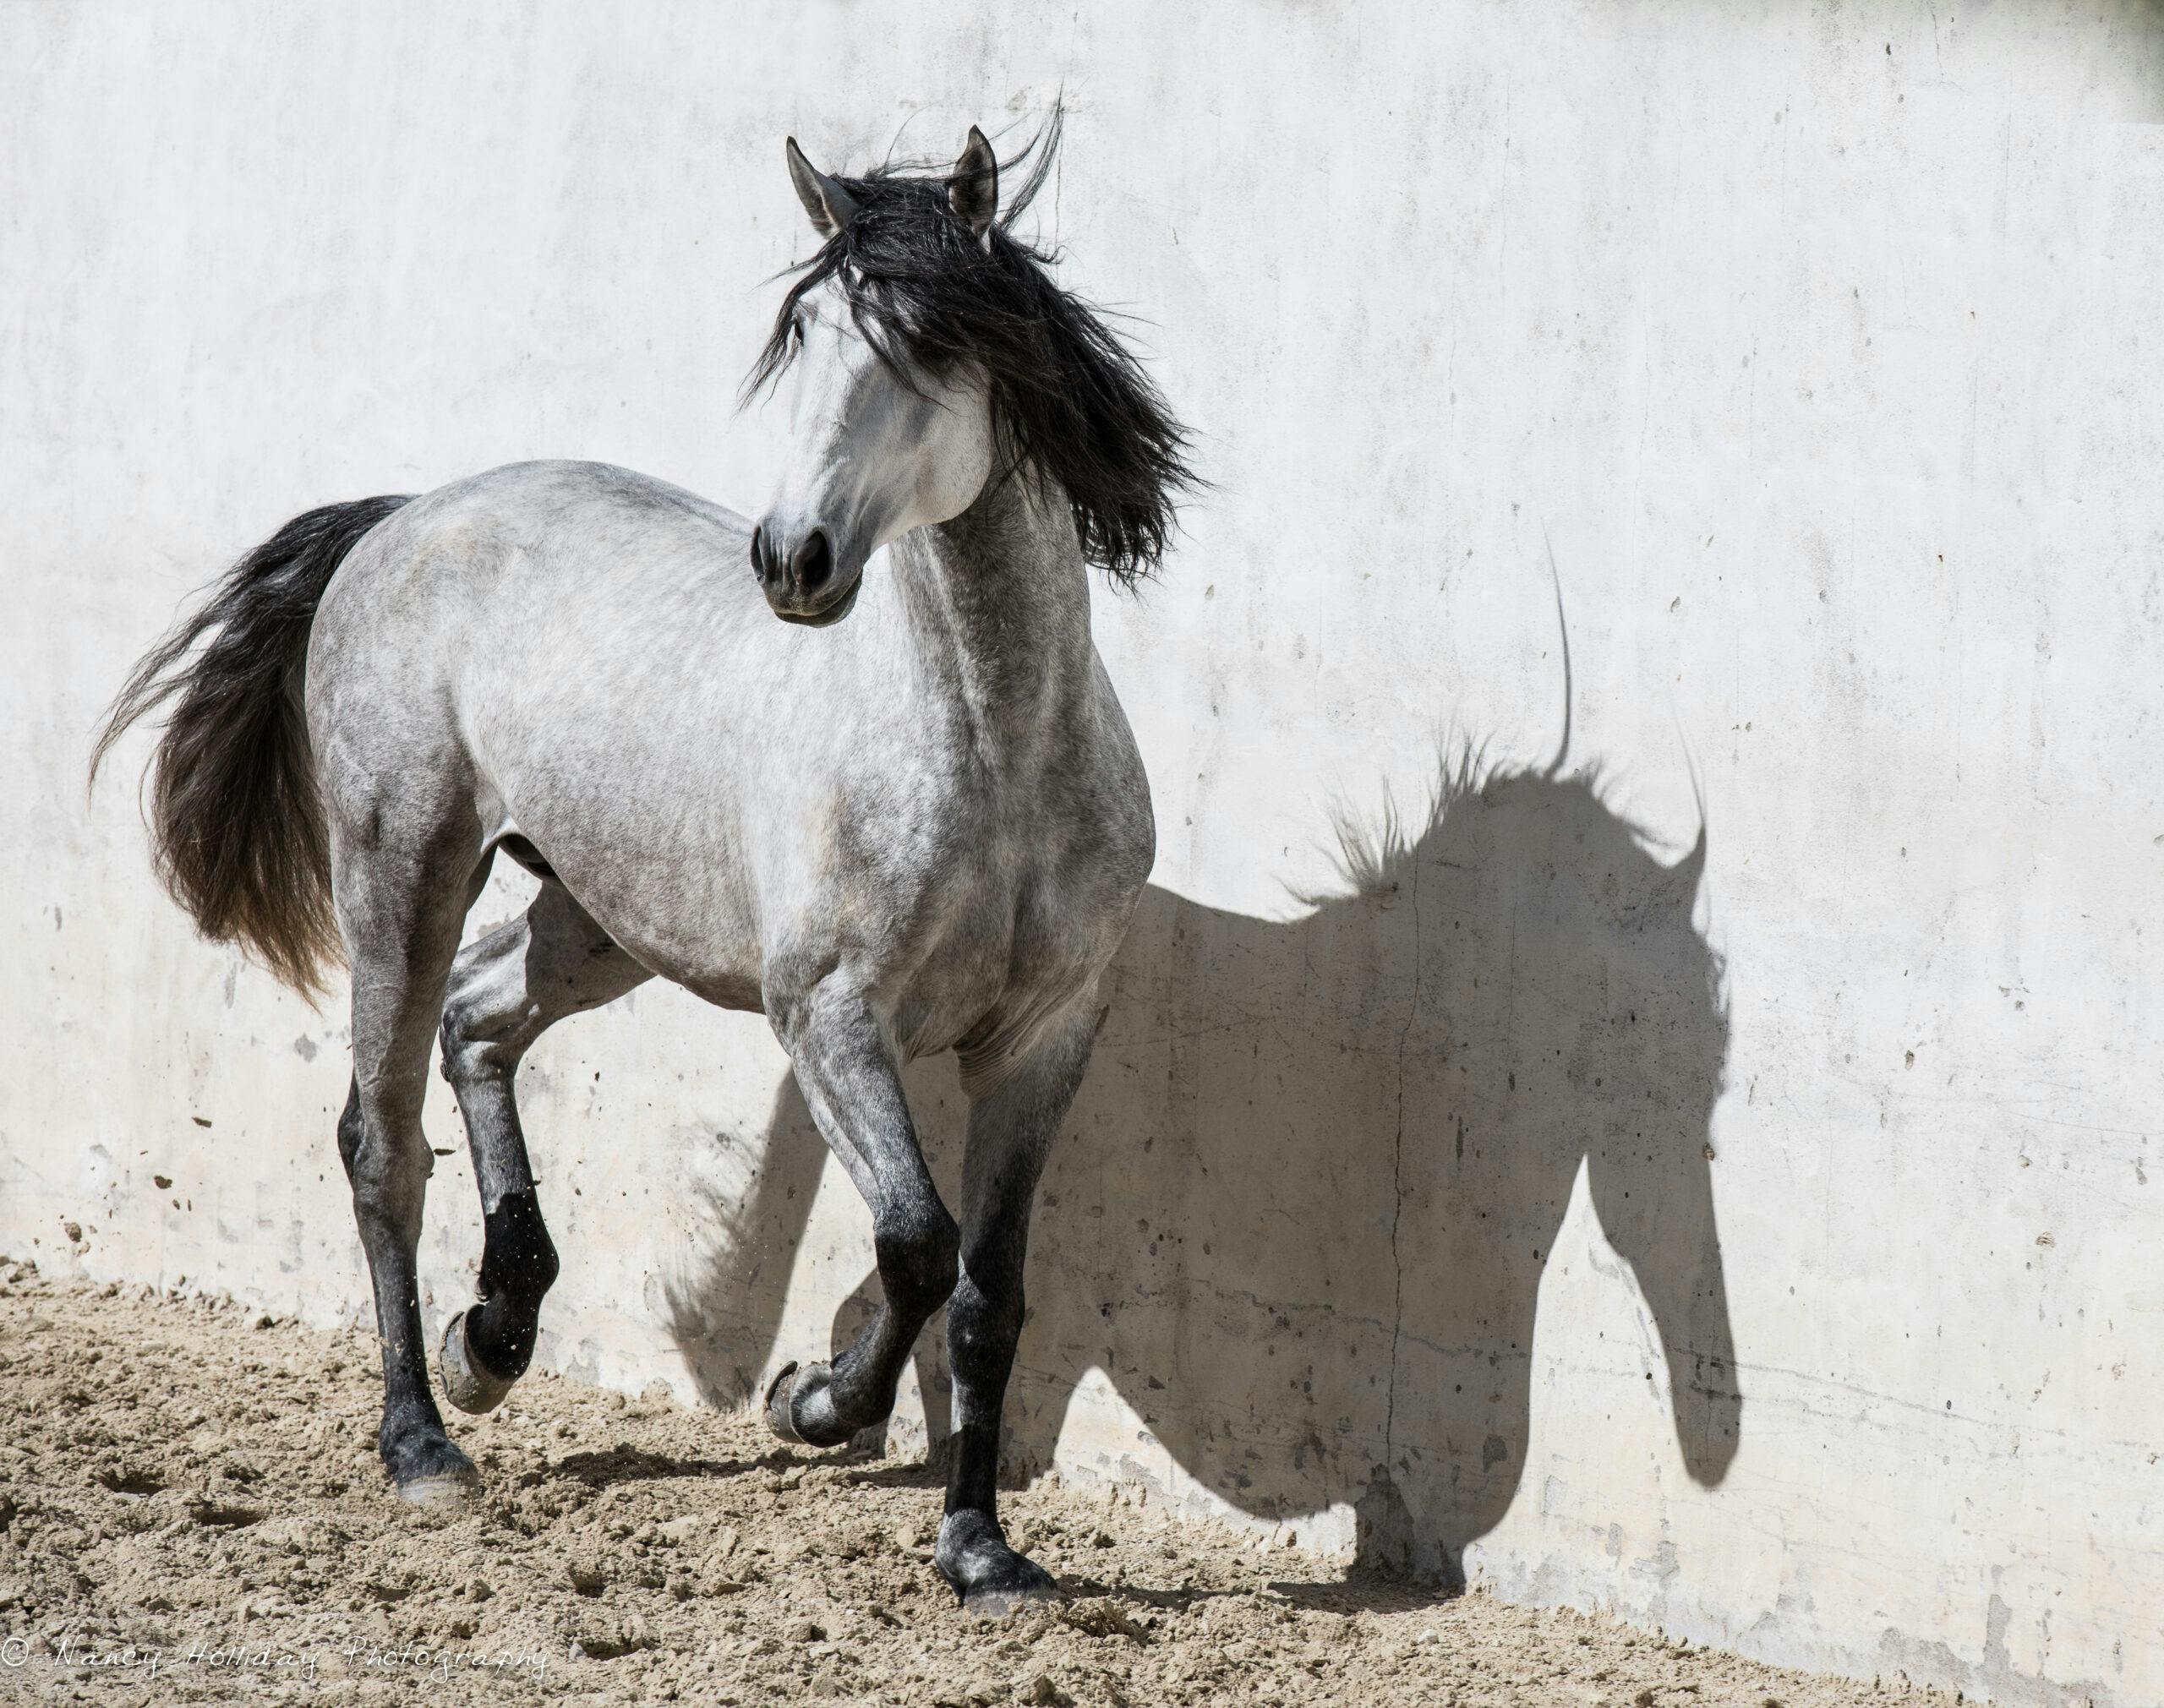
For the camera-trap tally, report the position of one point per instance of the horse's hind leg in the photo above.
(401, 898)
(1010, 1130)
(505, 991)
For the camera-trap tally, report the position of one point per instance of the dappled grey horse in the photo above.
(923, 830)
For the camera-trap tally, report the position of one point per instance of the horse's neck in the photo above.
(998, 603)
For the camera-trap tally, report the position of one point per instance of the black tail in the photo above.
(236, 823)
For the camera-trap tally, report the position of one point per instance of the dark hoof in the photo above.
(429, 1470)
(986, 1575)
(778, 1417)
(468, 1384)
(440, 1492)
(799, 1408)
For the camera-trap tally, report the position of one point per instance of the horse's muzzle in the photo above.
(800, 582)
(827, 615)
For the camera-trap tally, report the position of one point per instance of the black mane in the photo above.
(1066, 396)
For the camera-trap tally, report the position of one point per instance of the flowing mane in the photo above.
(1067, 396)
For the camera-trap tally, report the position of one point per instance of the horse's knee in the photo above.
(919, 1254)
(983, 1323)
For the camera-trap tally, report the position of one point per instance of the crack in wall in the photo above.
(1398, 1186)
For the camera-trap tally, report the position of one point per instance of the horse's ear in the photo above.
(830, 206)
(973, 187)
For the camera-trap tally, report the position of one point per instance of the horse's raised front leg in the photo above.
(847, 1075)
(505, 990)
(1011, 1129)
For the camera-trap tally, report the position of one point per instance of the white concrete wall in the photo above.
(1768, 1252)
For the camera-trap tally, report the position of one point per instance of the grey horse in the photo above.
(924, 829)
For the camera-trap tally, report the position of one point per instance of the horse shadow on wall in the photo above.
(1301, 1212)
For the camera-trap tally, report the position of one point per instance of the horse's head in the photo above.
(886, 432)
(930, 353)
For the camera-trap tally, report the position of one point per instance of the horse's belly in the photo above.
(683, 914)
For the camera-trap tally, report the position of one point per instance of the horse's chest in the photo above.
(1002, 887)
(1016, 925)
(992, 936)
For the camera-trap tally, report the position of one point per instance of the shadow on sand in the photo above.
(1301, 1212)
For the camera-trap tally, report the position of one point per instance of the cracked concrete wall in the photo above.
(1712, 1177)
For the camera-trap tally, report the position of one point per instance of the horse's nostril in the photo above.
(813, 562)
(759, 554)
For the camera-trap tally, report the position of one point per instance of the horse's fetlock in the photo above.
(518, 1259)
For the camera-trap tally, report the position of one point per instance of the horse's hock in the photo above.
(1708, 1178)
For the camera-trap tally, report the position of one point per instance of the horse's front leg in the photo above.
(1011, 1129)
(847, 1077)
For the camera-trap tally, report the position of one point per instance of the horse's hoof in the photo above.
(468, 1383)
(998, 1600)
(443, 1492)
(801, 1407)
(778, 1417)
(987, 1576)
(429, 1470)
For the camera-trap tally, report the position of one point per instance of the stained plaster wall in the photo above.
(1713, 1177)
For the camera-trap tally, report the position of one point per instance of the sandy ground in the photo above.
(191, 1510)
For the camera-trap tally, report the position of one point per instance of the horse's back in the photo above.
(493, 564)
(560, 578)
(572, 516)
